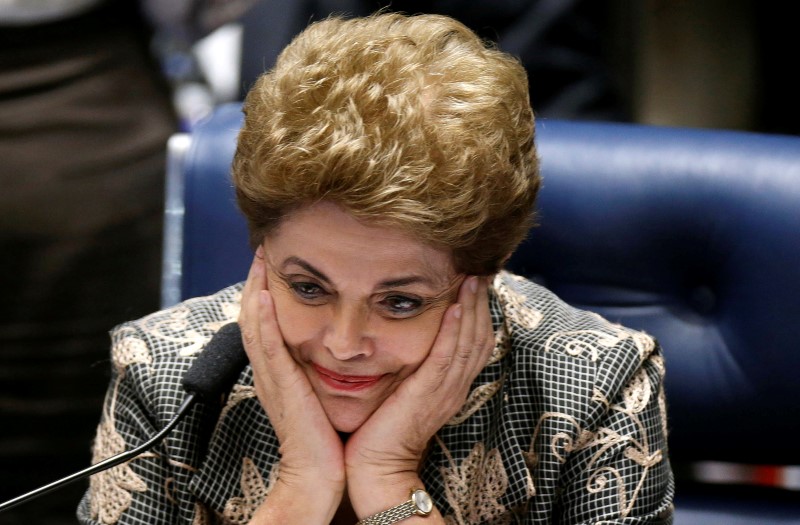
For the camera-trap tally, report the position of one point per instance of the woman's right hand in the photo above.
(311, 476)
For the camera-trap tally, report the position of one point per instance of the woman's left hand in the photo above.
(382, 457)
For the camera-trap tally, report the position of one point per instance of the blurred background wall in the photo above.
(715, 64)
(712, 64)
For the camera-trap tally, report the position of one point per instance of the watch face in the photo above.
(422, 501)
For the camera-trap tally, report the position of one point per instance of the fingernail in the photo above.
(262, 297)
(457, 311)
(260, 251)
(473, 284)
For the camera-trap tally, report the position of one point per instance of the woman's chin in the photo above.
(347, 423)
(347, 416)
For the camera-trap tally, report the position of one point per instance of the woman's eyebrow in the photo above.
(307, 267)
(428, 281)
(404, 281)
(389, 283)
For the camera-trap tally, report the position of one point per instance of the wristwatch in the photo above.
(420, 504)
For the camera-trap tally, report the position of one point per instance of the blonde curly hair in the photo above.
(404, 121)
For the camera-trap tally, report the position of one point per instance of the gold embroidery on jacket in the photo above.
(502, 345)
(636, 394)
(176, 326)
(129, 351)
(110, 490)
(240, 509)
(513, 304)
(474, 488)
(645, 344)
(202, 516)
(577, 343)
(238, 394)
(477, 398)
(635, 397)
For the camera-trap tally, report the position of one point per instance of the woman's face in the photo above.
(359, 306)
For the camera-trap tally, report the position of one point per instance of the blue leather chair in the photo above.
(693, 236)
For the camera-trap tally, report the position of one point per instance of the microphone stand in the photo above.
(107, 463)
(213, 371)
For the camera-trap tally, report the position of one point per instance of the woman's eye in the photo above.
(307, 290)
(401, 305)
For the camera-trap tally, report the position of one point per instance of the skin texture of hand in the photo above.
(383, 456)
(311, 477)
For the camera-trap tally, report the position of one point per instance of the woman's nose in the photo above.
(345, 337)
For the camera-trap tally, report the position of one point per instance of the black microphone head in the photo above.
(218, 366)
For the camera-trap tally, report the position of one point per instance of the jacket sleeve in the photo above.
(141, 490)
(618, 471)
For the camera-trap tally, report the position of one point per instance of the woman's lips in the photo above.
(343, 382)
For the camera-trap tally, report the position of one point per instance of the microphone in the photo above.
(212, 373)
(216, 369)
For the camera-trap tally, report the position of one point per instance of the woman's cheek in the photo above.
(410, 341)
(298, 322)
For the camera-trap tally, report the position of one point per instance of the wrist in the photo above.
(307, 471)
(298, 502)
(372, 495)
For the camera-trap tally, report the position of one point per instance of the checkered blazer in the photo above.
(565, 424)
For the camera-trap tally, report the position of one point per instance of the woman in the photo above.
(386, 168)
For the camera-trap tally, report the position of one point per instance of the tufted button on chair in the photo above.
(690, 235)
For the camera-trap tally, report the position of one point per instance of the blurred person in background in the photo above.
(85, 114)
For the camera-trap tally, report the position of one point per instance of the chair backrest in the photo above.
(205, 236)
(693, 236)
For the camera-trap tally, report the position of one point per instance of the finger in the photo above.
(465, 345)
(475, 340)
(255, 281)
(456, 327)
(275, 374)
(274, 371)
(248, 314)
(255, 265)
(484, 331)
(271, 338)
(439, 361)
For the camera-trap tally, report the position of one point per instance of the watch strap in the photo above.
(392, 515)
(419, 504)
